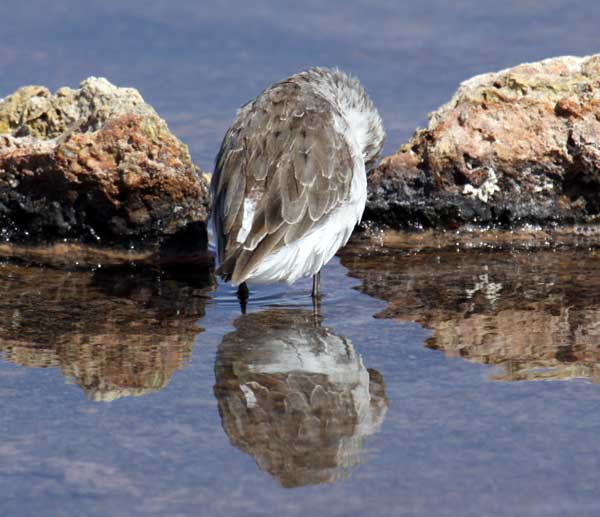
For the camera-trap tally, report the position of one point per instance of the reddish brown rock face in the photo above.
(93, 165)
(514, 147)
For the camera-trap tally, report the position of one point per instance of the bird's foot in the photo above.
(243, 293)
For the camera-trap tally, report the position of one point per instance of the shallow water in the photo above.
(140, 392)
(133, 392)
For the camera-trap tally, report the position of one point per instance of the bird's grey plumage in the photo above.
(286, 153)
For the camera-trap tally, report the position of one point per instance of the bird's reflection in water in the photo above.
(115, 333)
(296, 396)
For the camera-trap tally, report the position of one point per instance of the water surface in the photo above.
(135, 392)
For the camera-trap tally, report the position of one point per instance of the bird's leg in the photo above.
(316, 310)
(316, 290)
(242, 294)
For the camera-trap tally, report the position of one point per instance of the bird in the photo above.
(290, 178)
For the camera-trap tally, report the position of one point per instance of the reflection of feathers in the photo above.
(296, 397)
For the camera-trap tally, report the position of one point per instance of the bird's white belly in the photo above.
(307, 255)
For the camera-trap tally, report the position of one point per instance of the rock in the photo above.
(520, 146)
(95, 165)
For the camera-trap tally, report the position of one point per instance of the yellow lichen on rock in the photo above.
(94, 164)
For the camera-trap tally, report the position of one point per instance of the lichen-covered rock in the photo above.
(518, 146)
(96, 164)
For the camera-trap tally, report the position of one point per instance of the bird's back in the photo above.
(285, 169)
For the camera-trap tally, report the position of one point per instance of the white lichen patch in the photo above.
(487, 189)
(544, 185)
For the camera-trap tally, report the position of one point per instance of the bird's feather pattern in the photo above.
(287, 153)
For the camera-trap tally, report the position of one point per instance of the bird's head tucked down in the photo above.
(290, 178)
(358, 109)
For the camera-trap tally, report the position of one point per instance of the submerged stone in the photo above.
(94, 165)
(519, 146)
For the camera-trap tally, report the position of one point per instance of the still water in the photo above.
(432, 383)
(135, 392)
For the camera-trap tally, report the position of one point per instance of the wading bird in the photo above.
(290, 178)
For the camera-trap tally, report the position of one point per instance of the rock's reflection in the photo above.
(115, 333)
(296, 397)
(536, 315)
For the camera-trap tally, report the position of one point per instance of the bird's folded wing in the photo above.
(283, 167)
